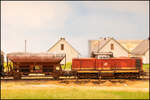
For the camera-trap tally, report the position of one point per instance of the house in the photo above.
(129, 44)
(107, 45)
(62, 46)
(142, 50)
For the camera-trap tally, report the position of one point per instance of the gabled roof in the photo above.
(104, 42)
(142, 48)
(66, 42)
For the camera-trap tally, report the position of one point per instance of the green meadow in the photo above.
(145, 66)
(70, 93)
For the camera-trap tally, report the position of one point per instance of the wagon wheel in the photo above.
(17, 75)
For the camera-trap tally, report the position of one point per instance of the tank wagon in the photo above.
(35, 63)
(120, 67)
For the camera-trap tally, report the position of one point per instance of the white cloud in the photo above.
(38, 21)
(35, 14)
(139, 7)
(20, 19)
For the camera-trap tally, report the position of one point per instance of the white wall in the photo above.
(70, 52)
(118, 51)
(146, 58)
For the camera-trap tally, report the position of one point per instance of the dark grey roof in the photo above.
(142, 48)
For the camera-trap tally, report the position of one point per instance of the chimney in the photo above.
(25, 46)
(62, 38)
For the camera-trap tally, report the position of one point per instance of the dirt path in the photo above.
(138, 85)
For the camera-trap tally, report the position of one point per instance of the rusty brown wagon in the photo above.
(35, 63)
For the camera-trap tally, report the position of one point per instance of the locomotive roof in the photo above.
(35, 57)
(122, 57)
(83, 58)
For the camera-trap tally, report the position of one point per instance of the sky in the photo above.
(42, 23)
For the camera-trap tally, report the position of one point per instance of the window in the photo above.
(62, 46)
(36, 67)
(112, 46)
(57, 68)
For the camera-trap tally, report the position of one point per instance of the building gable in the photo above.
(103, 45)
(60, 42)
(112, 39)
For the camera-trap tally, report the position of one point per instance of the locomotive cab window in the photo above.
(62, 46)
(112, 46)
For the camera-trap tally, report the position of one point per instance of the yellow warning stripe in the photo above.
(123, 71)
(107, 71)
(103, 68)
(116, 71)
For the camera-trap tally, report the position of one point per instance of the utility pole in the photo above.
(98, 45)
(25, 46)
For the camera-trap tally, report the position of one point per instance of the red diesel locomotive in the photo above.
(121, 67)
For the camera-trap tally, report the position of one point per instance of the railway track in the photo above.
(70, 79)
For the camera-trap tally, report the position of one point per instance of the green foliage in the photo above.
(70, 93)
(68, 66)
(6, 66)
(145, 66)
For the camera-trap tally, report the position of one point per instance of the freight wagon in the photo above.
(121, 67)
(35, 63)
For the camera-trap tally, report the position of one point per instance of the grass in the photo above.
(6, 67)
(68, 66)
(145, 66)
(70, 93)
